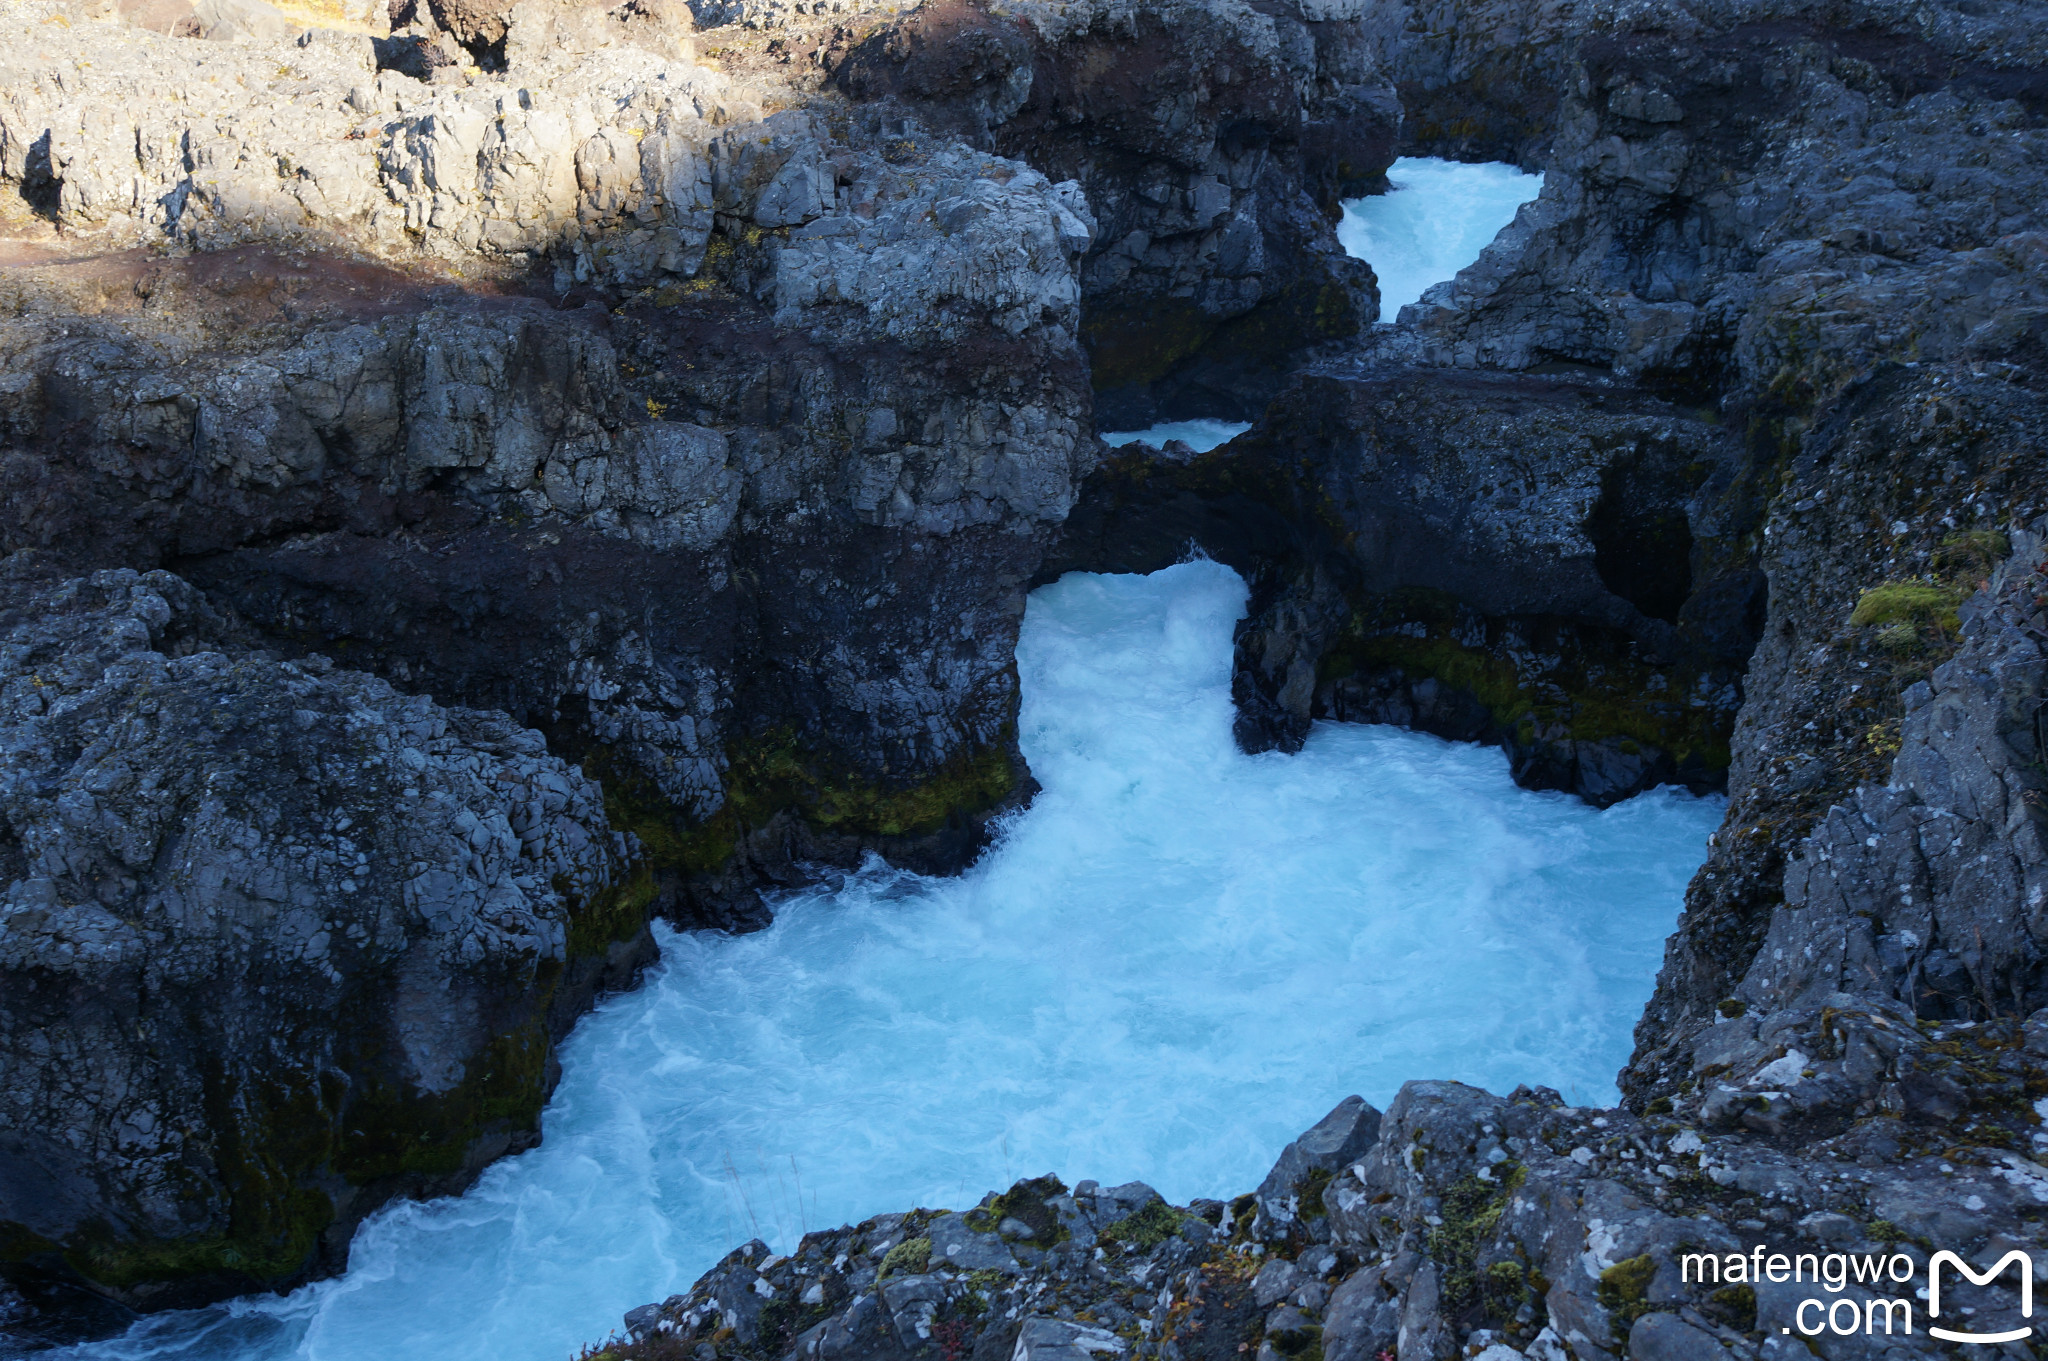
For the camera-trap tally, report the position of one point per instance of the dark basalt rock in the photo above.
(1428, 549)
(1214, 148)
(277, 943)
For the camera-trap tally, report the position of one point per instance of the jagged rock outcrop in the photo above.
(1460, 1225)
(1766, 198)
(277, 942)
(1889, 521)
(857, 385)
(1550, 564)
(1214, 143)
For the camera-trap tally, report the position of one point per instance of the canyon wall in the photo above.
(474, 485)
(663, 445)
(1722, 464)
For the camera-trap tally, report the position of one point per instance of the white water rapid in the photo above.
(1434, 221)
(1200, 435)
(1178, 958)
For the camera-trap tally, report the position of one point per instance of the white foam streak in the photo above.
(1436, 219)
(1175, 960)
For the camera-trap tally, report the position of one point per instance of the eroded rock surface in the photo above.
(277, 941)
(1213, 142)
(711, 417)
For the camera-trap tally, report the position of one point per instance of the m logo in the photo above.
(2026, 1266)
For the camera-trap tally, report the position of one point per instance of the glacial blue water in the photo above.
(1436, 219)
(1201, 435)
(1179, 957)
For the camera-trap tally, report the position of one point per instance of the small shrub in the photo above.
(1736, 1303)
(1972, 551)
(1145, 1229)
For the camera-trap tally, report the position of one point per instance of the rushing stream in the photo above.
(1434, 220)
(1199, 435)
(1176, 959)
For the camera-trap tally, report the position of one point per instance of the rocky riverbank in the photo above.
(477, 484)
(684, 431)
(1714, 427)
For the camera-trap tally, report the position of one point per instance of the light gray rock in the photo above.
(960, 1247)
(1046, 1339)
(1666, 1337)
(1276, 1281)
(1337, 1140)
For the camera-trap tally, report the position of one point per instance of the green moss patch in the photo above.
(1024, 1202)
(776, 773)
(397, 1131)
(1143, 342)
(1471, 1210)
(1624, 1291)
(613, 914)
(908, 1258)
(1580, 690)
(1907, 602)
(1145, 1229)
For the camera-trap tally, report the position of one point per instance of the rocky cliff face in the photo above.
(454, 479)
(506, 446)
(1213, 142)
(692, 415)
(277, 942)
(698, 450)
(1730, 446)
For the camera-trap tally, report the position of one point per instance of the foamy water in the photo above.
(1200, 435)
(1434, 221)
(1178, 958)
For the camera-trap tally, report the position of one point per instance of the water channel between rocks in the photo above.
(1176, 959)
(1436, 218)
